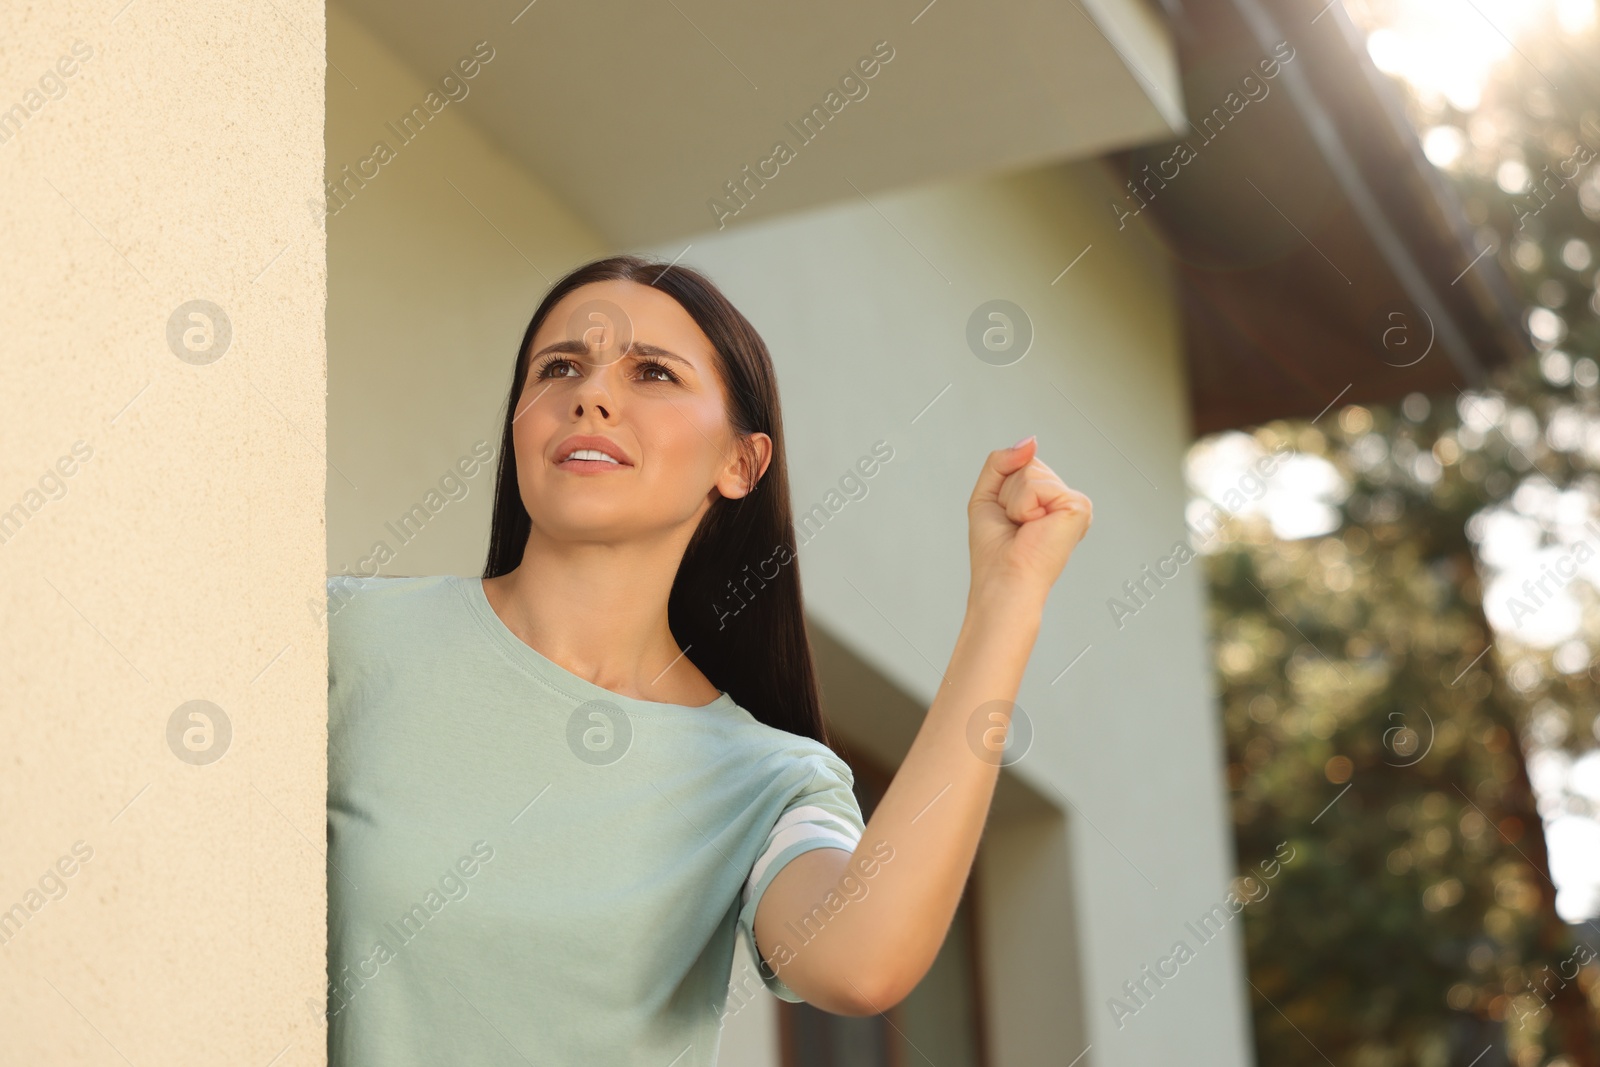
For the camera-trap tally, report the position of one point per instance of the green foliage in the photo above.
(1368, 720)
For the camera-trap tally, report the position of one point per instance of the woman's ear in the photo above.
(753, 452)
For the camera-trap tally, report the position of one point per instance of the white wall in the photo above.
(865, 307)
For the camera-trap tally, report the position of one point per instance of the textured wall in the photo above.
(162, 883)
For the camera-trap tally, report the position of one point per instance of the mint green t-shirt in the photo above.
(525, 868)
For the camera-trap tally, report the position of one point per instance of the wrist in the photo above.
(999, 600)
(999, 633)
(1007, 607)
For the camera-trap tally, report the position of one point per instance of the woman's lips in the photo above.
(591, 466)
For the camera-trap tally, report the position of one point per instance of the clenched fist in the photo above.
(1022, 524)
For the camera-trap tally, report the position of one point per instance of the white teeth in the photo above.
(590, 453)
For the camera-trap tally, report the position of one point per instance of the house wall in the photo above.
(435, 267)
(162, 898)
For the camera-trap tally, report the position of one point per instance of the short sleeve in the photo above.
(824, 814)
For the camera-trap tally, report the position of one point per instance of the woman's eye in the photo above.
(546, 370)
(666, 375)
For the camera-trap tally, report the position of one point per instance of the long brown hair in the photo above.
(744, 630)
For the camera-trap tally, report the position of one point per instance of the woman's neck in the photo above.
(600, 611)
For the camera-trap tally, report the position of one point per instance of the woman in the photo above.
(558, 793)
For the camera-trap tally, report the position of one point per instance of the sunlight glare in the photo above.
(1446, 50)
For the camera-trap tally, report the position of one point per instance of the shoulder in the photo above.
(794, 756)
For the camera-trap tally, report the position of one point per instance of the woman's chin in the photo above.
(587, 520)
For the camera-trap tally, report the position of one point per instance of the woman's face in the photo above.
(624, 365)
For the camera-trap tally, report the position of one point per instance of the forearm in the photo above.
(1022, 524)
(934, 810)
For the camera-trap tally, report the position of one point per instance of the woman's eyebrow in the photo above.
(576, 346)
(644, 348)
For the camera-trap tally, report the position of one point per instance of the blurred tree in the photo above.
(1374, 718)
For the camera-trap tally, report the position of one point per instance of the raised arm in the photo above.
(919, 844)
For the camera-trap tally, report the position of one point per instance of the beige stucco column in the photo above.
(162, 475)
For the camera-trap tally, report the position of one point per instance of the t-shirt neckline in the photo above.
(552, 673)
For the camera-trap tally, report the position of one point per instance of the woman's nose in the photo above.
(595, 391)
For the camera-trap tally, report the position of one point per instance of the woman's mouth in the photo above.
(590, 460)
